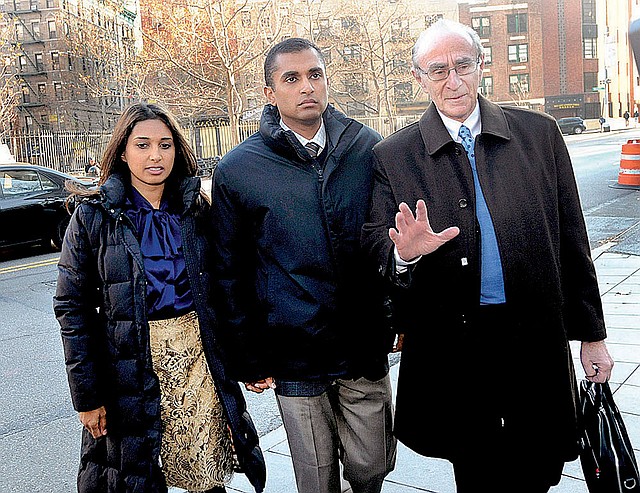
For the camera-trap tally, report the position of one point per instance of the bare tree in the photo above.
(9, 90)
(205, 56)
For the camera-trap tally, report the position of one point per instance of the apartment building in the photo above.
(69, 59)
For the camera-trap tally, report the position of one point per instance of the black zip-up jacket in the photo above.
(296, 297)
(100, 305)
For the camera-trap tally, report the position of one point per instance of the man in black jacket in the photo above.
(301, 312)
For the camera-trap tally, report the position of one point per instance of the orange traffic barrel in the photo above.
(629, 173)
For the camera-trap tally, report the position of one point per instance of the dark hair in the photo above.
(184, 165)
(289, 45)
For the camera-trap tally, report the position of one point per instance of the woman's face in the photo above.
(150, 153)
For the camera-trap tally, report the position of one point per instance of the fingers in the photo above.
(95, 422)
(449, 233)
(261, 385)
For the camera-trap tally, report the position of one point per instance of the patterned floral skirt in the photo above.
(196, 450)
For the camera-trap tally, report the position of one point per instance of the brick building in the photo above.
(540, 54)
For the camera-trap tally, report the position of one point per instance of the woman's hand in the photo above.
(95, 421)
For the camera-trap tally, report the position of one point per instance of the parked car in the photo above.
(32, 205)
(571, 125)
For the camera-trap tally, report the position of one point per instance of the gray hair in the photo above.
(444, 26)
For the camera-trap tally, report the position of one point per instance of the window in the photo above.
(16, 182)
(57, 89)
(22, 61)
(354, 84)
(42, 91)
(51, 4)
(19, 32)
(26, 96)
(431, 18)
(246, 18)
(399, 29)
(590, 81)
(486, 86)
(519, 83)
(39, 62)
(403, 92)
(33, 4)
(488, 55)
(28, 123)
(517, 23)
(351, 52)
(55, 60)
(349, 23)
(326, 53)
(481, 25)
(519, 53)
(589, 48)
(35, 29)
(588, 11)
(52, 29)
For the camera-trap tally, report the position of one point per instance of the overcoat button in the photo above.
(462, 203)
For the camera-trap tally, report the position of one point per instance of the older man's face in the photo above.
(455, 96)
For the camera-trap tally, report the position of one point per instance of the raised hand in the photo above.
(413, 235)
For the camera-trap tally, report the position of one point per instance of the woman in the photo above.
(146, 375)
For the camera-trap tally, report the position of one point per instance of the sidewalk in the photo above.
(619, 280)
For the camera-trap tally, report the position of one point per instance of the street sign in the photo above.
(597, 89)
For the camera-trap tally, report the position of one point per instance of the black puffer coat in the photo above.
(100, 305)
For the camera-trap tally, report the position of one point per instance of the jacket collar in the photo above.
(435, 135)
(285, 142)
(114, 192)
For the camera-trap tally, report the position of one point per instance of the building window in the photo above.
(39, 62)
(517, 23)
(589, 11)
(399, 29)
(28, 123)
(35, 29)
(51, 4)
(33, 4)
(22, 60)
(52, 29)
(57, 89)
(482, 25)
(431, 18)
(488, 55)
(55, 60)
(326, 54)
(246, 18)
(519, 53)
(350, 23)
(354, 84)
(19, 32)
(26, 96)
(403, 92)
(42, 91)
(590, 81)
(70, 62)
(589, 48)
(486, 86)
(351, 52)
(519, 83)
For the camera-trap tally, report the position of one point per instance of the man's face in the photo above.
(457, 95)
(299, 90)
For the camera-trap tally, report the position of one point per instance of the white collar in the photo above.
(319, 138)
(473, 123)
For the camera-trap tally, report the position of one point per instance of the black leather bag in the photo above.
(606, 456)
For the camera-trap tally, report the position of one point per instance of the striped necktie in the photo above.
(312, 148)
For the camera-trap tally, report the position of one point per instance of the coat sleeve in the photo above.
(75, 306)
(583, 315)
(234, 295)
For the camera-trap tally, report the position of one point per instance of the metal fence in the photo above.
(70, 151)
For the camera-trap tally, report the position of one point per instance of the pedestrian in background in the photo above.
(475, 212)
(298, 302)
(146, 374)
(625, 115)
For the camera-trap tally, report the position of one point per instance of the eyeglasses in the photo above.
(441, 73)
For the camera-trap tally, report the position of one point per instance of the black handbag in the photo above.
(608, 462)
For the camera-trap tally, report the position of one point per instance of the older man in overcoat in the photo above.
(475, 216)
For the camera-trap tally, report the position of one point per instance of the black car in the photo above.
(32, 205)
(571, 125)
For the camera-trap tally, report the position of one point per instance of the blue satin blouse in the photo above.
(158, 231)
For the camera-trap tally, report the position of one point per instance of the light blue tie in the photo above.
(491, 278)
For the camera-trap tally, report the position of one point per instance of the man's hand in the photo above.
(596, 361)
(413, 236)
(95, 421)
(261, 385)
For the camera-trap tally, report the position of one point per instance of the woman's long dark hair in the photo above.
(185, 160)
